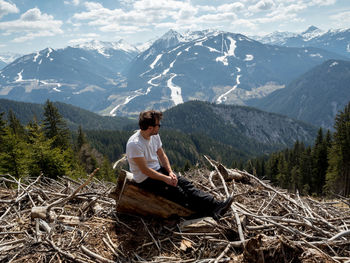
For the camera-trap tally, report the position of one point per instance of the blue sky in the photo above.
(30, 25)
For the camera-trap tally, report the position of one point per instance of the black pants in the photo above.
(185, 194)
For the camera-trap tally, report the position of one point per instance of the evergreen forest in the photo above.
(47, 146)
(318, 170)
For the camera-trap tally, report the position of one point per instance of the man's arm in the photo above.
(151, 173)
(163, 158)
(166, 164)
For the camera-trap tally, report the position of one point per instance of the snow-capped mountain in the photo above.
(212, 66)
(113, 79)
(79, 76)
(7, 58)
(106, 48)
(337, 40)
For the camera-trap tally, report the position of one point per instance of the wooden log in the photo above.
(199, 225)
(131, 199)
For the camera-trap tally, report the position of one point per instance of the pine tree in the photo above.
(13, 157)
(319, 153)
(283, 175)
(15, 125)
(81, 140)
(55, 127)
(338, 174)
(306, 165)
(51, 161)
(2, 130)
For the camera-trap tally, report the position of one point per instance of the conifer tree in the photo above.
(52, 162)
(13, 157)
(338, 174)
(2, 130)
(55, 127)
(81, 140)
(15, 125)
(319, 153)
(306, 165)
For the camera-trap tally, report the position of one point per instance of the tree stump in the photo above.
(130, 199)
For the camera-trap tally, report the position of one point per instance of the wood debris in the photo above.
(65, 220)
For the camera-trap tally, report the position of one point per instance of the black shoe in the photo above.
(222, 208)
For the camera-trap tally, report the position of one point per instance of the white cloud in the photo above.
(7, 8)
(262, 5)
(245, 24)
(33, 24)
(322, 2)
(72, 2)
(160, 5)
(145, 13)
(233, 7)
(342, 18)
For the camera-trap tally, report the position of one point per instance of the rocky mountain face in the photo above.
(315, 97)
(337, 40)
(211, 66)
(84, 76)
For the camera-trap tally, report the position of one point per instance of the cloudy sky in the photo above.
(31, 25)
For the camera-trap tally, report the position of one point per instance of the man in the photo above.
(144, 151)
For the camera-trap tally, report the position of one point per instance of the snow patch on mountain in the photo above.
(230, 51)
(316, 55)
(222, 98)
(49, 52)
(248, 57)
(312, 32)
(136, 94)
(9, 57)
(150, 82)
(155, 61)
(101, 47)
(36, 56)
(19, 76)
(175, 91)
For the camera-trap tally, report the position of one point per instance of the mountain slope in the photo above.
(246, 129)
(333, 40)
(73, 115)
(315, 97)
(84, 76)
(7, 57)
(212, 66)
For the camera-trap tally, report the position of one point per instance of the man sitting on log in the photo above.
(144, 151)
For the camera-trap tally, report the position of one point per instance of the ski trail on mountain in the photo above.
(128, 99)
(19, 78)
(150, 81)
(155, 61)
(229, 53)
(175, 91)
(222, 98)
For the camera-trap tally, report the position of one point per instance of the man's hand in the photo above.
(171, 179)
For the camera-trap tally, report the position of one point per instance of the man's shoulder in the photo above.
(135, 138)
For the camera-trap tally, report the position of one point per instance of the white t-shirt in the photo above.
(137, 146)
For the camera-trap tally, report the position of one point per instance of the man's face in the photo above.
(155, 129)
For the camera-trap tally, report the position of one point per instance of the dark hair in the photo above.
(149, 118)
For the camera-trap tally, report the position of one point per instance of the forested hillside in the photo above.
(246, 129)
(46, 146)
(188, 132)
(74, 116)
(323, 168)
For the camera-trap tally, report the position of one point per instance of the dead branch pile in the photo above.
(45, 220)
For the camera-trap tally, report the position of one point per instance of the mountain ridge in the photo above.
(315, 97)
